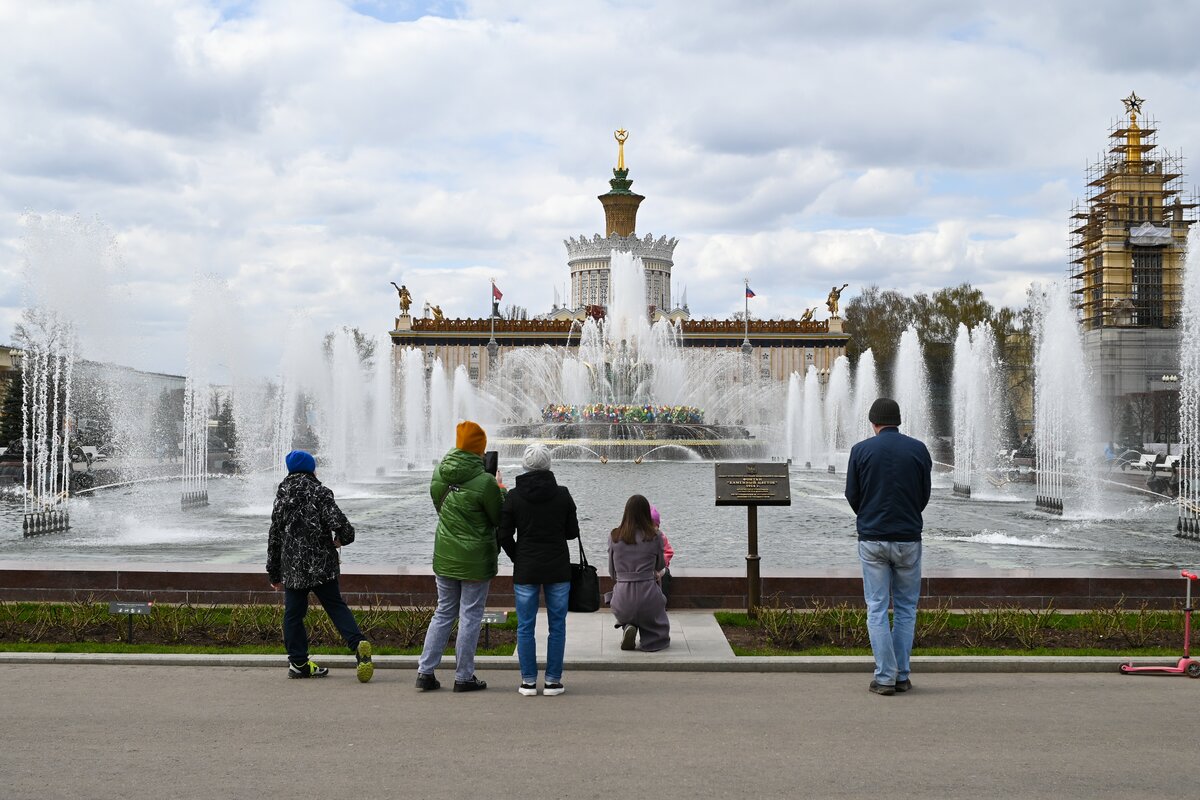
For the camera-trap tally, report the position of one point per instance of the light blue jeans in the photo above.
(527, 595)
(466, 601)
(891, 571)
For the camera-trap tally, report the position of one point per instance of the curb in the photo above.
(814, 664)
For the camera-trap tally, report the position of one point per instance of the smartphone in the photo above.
(491, 462)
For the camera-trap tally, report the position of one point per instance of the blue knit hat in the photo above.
(300, 461)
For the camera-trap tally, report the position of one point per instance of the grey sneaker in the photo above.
(879, 688)
(903, 686)
(628, 638)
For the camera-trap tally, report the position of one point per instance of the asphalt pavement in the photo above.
(208, 731)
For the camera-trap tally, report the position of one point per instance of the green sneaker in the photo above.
(363, 655)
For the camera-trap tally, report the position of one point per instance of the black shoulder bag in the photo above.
(585, 585)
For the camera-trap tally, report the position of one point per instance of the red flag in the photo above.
(496, 293)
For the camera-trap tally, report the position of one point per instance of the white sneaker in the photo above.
(551, 689)
(528, 689)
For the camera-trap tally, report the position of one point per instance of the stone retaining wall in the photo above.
(227, 584)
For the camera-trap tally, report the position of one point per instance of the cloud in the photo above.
(306, 152)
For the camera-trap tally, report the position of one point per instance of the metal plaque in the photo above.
(755, 484)
(495, 617)
(129, 608)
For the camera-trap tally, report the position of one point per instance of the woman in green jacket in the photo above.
(468, 501)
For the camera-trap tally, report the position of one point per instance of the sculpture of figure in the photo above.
(437, 312)
(835, 294)
(405, 298)
(808, 314)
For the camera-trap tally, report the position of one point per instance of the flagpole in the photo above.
(746, 317)
(492, 304)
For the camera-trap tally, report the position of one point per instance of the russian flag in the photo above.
(749, 291)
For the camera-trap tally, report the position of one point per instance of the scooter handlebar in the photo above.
(1191, 576)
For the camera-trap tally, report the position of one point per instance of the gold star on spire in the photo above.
(1133, 103)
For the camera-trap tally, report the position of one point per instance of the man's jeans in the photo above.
(556, 615)
(891, 570)
(295, 606)
(464, 600)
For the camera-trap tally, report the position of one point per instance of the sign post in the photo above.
(491, 618)
(753, 485)
(129, 609)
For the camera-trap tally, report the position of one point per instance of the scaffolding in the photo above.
(1122, 279)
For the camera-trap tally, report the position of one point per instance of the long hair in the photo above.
(637, 520)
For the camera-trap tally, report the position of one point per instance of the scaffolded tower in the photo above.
(1130, 240)
(1129, 244)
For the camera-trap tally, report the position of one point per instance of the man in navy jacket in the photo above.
(887, 485)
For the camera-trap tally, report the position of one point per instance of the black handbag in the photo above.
(585, 585)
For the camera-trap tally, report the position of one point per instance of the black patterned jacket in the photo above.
(305, 523)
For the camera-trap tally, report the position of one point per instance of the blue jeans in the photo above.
(556, 615)
(891, 570)
(295, 606)
(464, 600)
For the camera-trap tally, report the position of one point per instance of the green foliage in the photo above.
(10, 409)
(168, 419)
(1129, 435)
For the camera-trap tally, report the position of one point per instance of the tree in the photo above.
(875, 319)
(1130, 436)
(364, 345)
(11, 410)
(168, 420)
(226, 429)
(516, 312)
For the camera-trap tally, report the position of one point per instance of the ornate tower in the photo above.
(1130, 241)
(1129, 244)
(620, 204)
(589, 259)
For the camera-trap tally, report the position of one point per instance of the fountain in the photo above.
(1063, 418)
(911, 388)
(1189, 394)
(629, 387)
(977, 407)
(837, 411)
(866, 390)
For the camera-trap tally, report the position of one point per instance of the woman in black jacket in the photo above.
(541, 515)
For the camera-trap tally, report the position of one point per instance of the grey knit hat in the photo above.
(537, 456)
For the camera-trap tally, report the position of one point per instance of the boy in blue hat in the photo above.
(307, 528)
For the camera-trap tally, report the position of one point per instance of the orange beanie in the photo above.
(470, 438)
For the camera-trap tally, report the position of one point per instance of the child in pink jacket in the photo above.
(664, 577)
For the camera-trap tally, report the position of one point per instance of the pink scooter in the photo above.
(1187, 665)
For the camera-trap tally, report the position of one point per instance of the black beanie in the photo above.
(884, 411)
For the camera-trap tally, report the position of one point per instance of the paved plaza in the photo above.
(100, 731)
(691, 722)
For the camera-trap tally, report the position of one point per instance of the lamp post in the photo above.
(1169, 378)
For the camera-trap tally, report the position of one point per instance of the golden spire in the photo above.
(1133, 138)
(621, 135)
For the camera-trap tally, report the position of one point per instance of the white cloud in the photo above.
(307, 152)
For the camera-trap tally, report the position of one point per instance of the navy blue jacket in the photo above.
(887, 484)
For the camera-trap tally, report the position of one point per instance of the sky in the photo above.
(284, 160)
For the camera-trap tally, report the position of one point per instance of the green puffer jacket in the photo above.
(465, 547)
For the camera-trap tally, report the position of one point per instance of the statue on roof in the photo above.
(835, 294)
(405, 298)
(808, 314)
